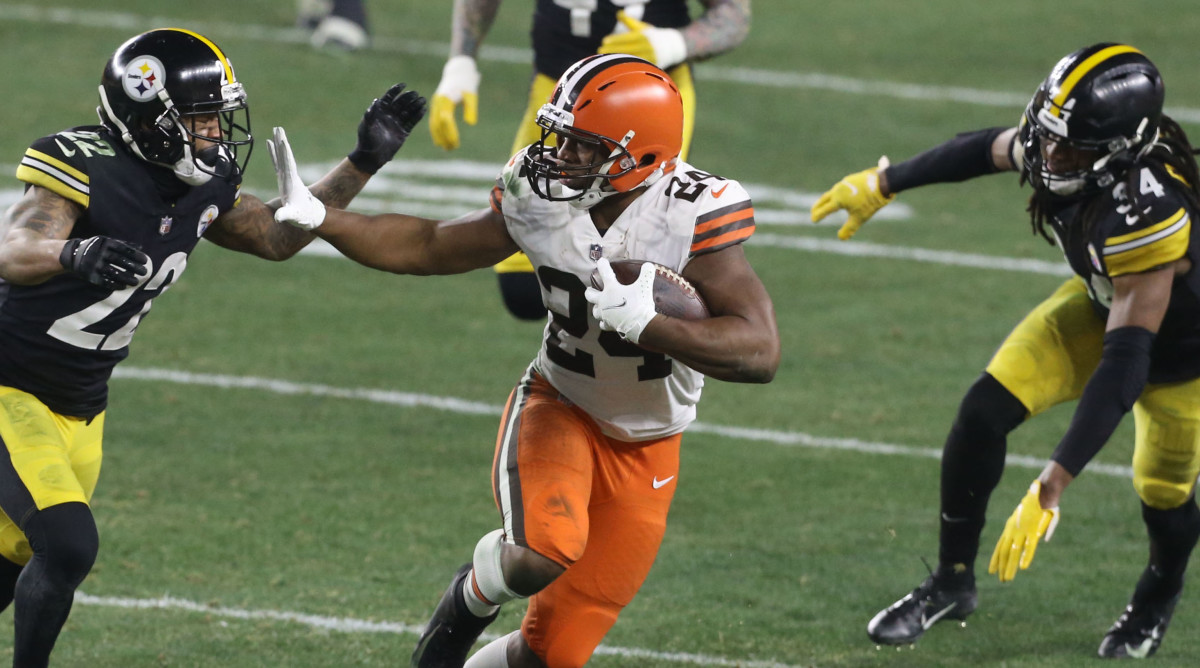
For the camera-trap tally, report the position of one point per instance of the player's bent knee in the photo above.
(529, 572)
(489, 571)
(989, 410)
(1162, 494)
(65, 537)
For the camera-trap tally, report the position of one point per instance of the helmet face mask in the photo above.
(599, 159)
(172, 97)
(620, 117)
(1091, 119)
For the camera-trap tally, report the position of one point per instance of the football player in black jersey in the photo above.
(565, 31)
(1115, 186)
(109, 217)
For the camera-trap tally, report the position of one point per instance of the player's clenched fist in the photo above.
(104, 261)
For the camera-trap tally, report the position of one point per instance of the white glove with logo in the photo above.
(300, 208)
(624, 309)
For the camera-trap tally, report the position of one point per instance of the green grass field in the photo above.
(298, 454)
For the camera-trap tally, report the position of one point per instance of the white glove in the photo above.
(625, 309)
(300, 208)
(459, 85)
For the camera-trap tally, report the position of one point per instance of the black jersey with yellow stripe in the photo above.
(1123, 241)
(60, 339)
(566, 31)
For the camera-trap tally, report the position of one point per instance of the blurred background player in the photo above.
(1115, 186)
(335, 24)
(109, 217)
(587, 456)
(563, 32)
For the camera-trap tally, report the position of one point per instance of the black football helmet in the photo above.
(152, 88)
(1097, 112)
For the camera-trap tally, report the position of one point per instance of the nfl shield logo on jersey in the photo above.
(164, 226)
(595, 252)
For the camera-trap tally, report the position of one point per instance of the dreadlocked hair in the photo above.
(1170, 155)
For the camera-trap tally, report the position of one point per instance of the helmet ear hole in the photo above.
(648, 159)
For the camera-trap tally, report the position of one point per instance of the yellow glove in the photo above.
(460, 83)
(664, 47)
(858, 194)
(1028, 523)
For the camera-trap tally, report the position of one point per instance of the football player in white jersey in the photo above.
(588, 450)
(562, 32)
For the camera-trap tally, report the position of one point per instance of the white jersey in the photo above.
(633, 394)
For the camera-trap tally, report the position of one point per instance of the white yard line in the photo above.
(463, 406)
(351, 625)
(522, 56)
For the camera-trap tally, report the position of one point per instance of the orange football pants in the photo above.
(593, 504)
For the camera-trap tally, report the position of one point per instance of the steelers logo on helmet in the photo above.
(1097, 112)
(144, 77)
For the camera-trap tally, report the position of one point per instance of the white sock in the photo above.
(493, 654)
(477, 606)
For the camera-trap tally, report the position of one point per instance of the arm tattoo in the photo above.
(472, 20)
(338, 187)
(251, 228)
(723, 26)
(47, 215)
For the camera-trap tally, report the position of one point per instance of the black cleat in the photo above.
(1139, 630)
(452, 631)
(906, 620)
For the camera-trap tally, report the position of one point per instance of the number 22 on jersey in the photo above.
(73, 328)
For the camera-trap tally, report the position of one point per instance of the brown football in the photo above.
(674, 296)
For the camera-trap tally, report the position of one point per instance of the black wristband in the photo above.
(66, 257)
(966, 156)
(1112, 390)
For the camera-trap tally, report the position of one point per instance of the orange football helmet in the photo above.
(626, 106)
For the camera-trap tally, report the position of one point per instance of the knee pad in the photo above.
(489, 575)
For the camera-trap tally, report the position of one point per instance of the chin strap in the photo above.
(188, 169)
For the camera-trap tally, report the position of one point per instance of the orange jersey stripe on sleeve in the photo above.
(495, 198)
(724, 227)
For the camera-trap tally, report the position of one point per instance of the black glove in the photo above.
(109, 263)
(385, 126)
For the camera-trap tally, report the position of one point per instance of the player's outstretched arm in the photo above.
(966, 156)
(391, 242)
(385, 125)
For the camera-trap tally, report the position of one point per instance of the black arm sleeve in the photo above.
(1109, 394)
(966, 156)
